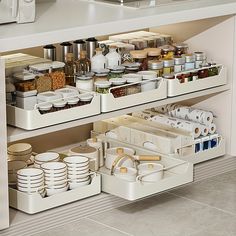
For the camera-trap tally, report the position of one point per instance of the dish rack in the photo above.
(111, 103)
(35, 203)
(175, 87)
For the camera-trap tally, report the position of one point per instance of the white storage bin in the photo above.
(176, 88)
(34, 203)
(111, 103)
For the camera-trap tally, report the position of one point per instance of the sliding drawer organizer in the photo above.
(169, 141)
(111, 103)
(33, 119)
(181, 173)
(175, 87)
(34, 203)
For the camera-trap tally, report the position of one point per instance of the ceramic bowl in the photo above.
(30, 189)
(30, 185)
(54, 167)
(77, 180)
(30, 181)
(78, 169)
(147, 74)
(19, 149)
(55, 175)
(146, 168)
(76, 160)
(46, 157)
(50, 183)
(31, 173)
(53, 191)
(73, 185)
(78, 175)
(13, 167)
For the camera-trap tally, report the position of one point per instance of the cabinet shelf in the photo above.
(16, 134)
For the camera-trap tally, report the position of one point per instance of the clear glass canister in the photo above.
(140, 56)
(200, 57)
(153, 53)
(101, 75)
(118, 91)
(139, 44)
(84, 82)
(180, 48)
(179, 64)
(167, 51)
(189, 61)
(102, 86)
(116, 72)
(168, 66)
(156, 66)
(133, 88)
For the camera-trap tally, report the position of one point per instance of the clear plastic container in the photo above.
(102, 86)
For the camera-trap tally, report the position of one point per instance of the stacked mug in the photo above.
(31, 180)
(55, 176)
(78, 171)
(45, 157)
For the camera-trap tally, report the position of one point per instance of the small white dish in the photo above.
(79, 184)
(46, 157)
(78, 180)
(30, 181)
(30, 173)
(76, 161)
(54, 167)
(53, 191)
(55, 175)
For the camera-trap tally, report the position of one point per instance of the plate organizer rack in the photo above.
(179, 175)
(176, 88)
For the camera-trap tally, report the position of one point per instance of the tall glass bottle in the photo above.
(83, 65)
(70, 69)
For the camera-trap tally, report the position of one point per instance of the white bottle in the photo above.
(98, 61)
(113, 57)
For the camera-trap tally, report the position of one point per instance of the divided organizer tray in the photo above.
(176, 88)
(34, 203)
(179, 175)
(111, 103)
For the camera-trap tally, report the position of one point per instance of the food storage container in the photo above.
(179, 64)
(59, 105)
(118, 91)
(168, 66)
(85, 99)
(26, 100)
(48, 96)
(130, 79)
(101, 75)
(102, 86)
(83, 64)
(180, 48)
(45, 108)
(139, 44)
(156, 66)
(153, 53)
(140, 57)
(168, 76)
(43, 83)
(189, 61)
(200, 57)
(149, 80)
(72, 102)
(84, 82)
(167, 51)
(116, 72)
(70, 69)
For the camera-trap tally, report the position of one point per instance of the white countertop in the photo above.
(74, 19)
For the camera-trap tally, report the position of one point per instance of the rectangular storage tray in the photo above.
(177, 176)
(176, 88)
(32, 119)
(34, 203)
(110, 103)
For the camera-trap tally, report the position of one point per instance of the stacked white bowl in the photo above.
(55, 176)
(31, 180)
(78, 171)
(45, 157)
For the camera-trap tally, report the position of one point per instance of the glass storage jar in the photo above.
(168, 66)
(101, 75)
(139, 44)
(203, 73)
(118, 91)
(140, 56)
(133, 88)
(189, 61)
(84, 82)
(200, 58)
(153, 53)
(166, 39)
(157, 66)
(116, 72)
(179, 64)
(180, 48)
(83, 64)
(167, 51)
(102, 86)
(70, 69)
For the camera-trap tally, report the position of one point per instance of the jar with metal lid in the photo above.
(101, 75)
(102, 86)
(167, 51)
(200, 57)
(157, 66)
(72, 102)
(169, 76)
(189, 61)
(139, 44)
(140, 56)
(84, 82)
(213, 71)
(203, 73)
(133, 88)
(118, 91)
(153, 53)
(180, 48)
(166, 39)
(59, 105)
(179, 64)
(151, 42)
(116, 72)
(168, 66)
(85, 99)
(45, 108)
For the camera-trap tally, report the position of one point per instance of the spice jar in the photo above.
(133, 88)
(213, 71)
(166, 39)
(151, 42)
(45, 108)
(116, 72)
(59, 105)
(84, 82)
(139, 44)
(140, 56)
(179, 64)
(132, 69)
(72, 102)
(102, 86)
(200, 57)
(153, 53)
(118, 91)
(85, 99)
(169, 76)
(101, 75)
(203, 73)
(180, 48)
(168, 66)
(167, 51)
(189, 61)
(156, 66)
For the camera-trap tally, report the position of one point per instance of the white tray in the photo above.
(34, 203)
(32, 119)
(177, 176)
(110, 103)
(176, 88)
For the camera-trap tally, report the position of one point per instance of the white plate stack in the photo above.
(78, 171)
(55, 175)
(31, 180)
(45, 157)
(19, 152)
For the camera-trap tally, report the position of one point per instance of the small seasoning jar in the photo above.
(118, 91)
(140, 56)
(151, 42)
(189, 61)
(180, 78)
(200, 57)
(45, 108)
(102, 86)
(133, 88)
(179, 64)
(139, 44)
(187, 77)
(72, 102)
(167, 51)
(153, 53)
(166, 39)
(133, 69)
(169, 76)
(101, 75)
(157, 66)
(84, 82)
(203, 73)
(213, 71)
(180, 48)
(85, 99)
(168, 66)
(59, 105)
(116, 72)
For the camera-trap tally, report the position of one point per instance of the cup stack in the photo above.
(78, 171)
(31, 180)
(55, 175)
(19, 152)
(44, 158)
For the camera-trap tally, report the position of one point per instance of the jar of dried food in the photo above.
(180, 48)
(118, 91)
(102, 86)
(203, 73)
(59, 105)
(25, 86)
(166, 39)
(213, 71)
(72, 102)
(153, 53)
(140, 56)
(189, 61)
(57, 66)
(43, 83)
(169, 76)
(134, 86)
(167, 51)
(45, 108)
(84, 82)
(58, 80)
(179, 64)
(85, 99)
(70, 69)
(101, 75)
(168, 66)
(139, 44)
(156, 66)
(116, 72)
(132, 69)
(200, 58)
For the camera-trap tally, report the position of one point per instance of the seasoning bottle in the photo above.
(168, 66)
(70, 69)
(189, 61)
(116, 72)
(156, 66)
(102, 86)
(140, 56)
(98, 61)
(167, 51)
(83, 65)
(180, 48)
(200, 57)
(179, 64)
(153, 53)
(101, 75)
(113, 57)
